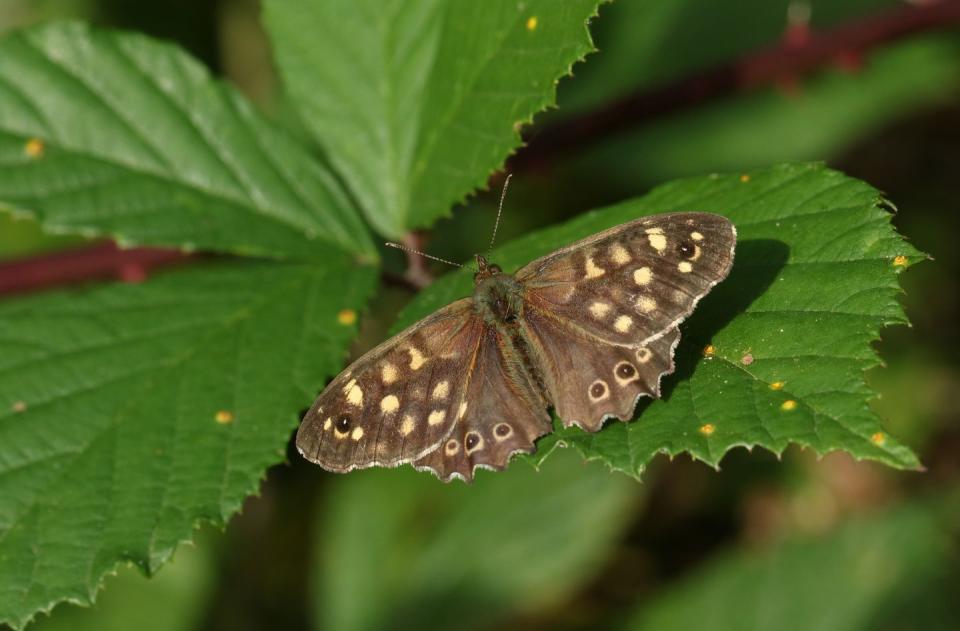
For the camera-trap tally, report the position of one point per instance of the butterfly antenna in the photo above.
(503, 196)
(398, 246)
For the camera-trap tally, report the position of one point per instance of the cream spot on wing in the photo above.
(623, 323)
(350, 384)
(685, 267)
(646, 304)
(598, 390)
(644, 354)
(327, 423)
(593, 271)
(355, 396)
(658, 242)
(389, 404)
(599, 309)
(436, 417)
(357, 433)
(697, 251)
(462, 410)
(619, 254)
(407, 425)
(453, 446)
(642, 276)
(441, 390)
(388, 373)
(416, 358)
(696, 236)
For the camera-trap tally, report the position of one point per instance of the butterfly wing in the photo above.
(400, 400)
(602, 314)
(636, 281)
(505, 414)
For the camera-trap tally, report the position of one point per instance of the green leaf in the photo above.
(116, 134)
(813, 283)
(129, 413)
(417, 102)
(895, 570)
(397, 550)
(175, 600)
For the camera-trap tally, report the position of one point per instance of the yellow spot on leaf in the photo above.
(532, 22)
(707, 429)
(878, 439)
(900, 261)
(347, 317)
(34, 148)
(19, 406)
(747, 359)
(789, 405)
(223, 417)
(709, 350)
(744, 178)
(776, 385)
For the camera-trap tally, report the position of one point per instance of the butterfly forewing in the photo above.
(635, 281)
(399, 401)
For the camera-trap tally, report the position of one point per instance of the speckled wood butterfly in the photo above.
(587, 330)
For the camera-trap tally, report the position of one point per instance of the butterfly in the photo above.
(586, 330)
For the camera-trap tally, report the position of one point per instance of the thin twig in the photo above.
(792, 58)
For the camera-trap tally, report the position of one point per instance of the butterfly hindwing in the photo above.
(400, 400)
(634, 281)
(589, 380)
(504, 416)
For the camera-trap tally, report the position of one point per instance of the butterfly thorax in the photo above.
(498, 297)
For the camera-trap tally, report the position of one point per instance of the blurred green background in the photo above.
(802, 542)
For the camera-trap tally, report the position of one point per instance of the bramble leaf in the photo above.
(416, 103)
(115, 134)
(790, 330)
(129, 413)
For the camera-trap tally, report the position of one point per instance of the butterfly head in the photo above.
(485, 269)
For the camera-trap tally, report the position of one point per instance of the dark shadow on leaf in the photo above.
(756, 266)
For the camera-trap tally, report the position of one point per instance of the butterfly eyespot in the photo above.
(686, 249)
(502, 430)
(343, 423)
(598, 390)
(626, 371)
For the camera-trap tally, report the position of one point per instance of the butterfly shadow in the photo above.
(757, 265)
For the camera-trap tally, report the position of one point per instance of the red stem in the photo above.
(781, 64)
